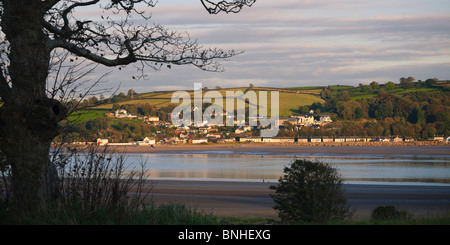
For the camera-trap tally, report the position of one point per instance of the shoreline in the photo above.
(414, 149)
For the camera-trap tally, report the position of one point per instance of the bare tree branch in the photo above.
(121, 42)
(226, 6)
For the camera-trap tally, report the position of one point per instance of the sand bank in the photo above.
(250, 199)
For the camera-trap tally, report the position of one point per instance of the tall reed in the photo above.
(95, 183)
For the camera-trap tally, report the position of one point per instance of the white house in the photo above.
(120, 113)
(327, 139)
(316, 139)
(147, 141)
(325, 119)
(102, 141)
(152, 119)
(199, 141)
(251, 139)
(350, 139)
(339, 139)
(306, 120)
(243, 130)
(278, 140)
(302, 139)
(438, 138)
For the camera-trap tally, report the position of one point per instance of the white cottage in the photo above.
(147, 141)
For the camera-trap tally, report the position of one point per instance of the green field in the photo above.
(289, 99)
(86, 115)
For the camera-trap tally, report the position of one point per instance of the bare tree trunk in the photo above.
(28, 119)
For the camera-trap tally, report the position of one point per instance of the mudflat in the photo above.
(252, 199)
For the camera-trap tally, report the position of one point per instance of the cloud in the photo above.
(304, 43)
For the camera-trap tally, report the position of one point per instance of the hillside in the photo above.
(289, 99)
(409, 109)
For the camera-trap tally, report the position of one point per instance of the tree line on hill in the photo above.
(412, 112)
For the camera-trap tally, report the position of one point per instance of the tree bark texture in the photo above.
(28, 118)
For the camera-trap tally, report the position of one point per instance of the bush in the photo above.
(388, 213)
(310, 191)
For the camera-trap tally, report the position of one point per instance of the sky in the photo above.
(293, 43)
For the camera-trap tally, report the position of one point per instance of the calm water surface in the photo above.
(226, 165)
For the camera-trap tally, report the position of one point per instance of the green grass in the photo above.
(340, 87)
(86, 115)
(428, 90)
(289, 101)
(166, 214)
(180, 214)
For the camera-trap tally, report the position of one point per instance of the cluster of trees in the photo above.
(410, 112)
(145, 109)
(420, 114)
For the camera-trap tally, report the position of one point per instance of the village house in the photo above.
(122, 113)
(437, 138)
(102, 141)
(350, 139)
(339, 139)
(242, 130)
(409, 139)
(287, 140)
(215, 136)
(151, 119)
(226, 140)
(316, 139)
(278, 140)
(396, 139)
(146, 141)
(327, 139)
(302, 139)
(175, 140)
(305, 120)
(325, 120)
(383, 139)
(360, 139)
(198, 141)
(251, 139)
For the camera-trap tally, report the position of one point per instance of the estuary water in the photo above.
(257, 166)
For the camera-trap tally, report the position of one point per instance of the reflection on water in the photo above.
(225, 165)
